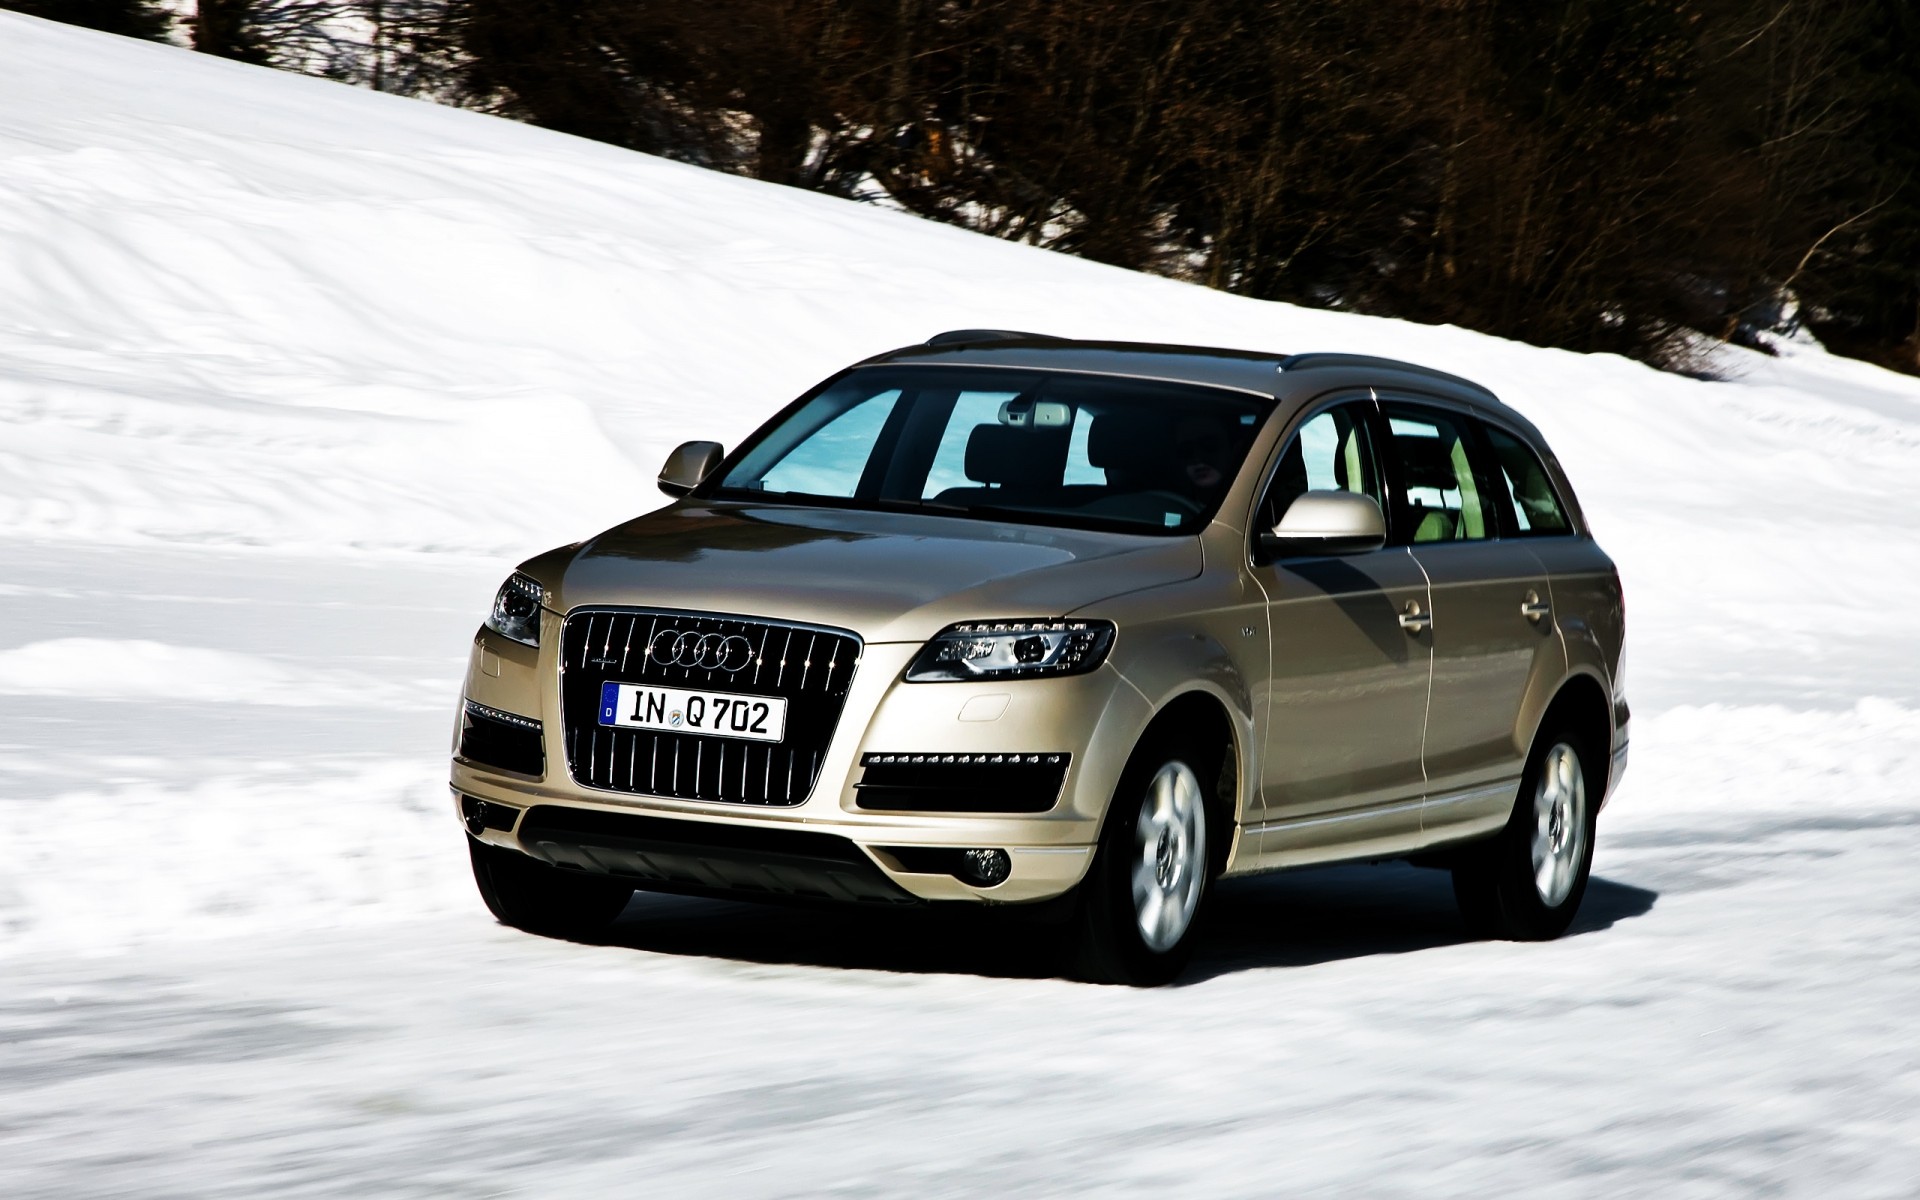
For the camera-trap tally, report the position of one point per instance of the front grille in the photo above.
(979, 783)
(808, 667)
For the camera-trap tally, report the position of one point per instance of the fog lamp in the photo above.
(985, 868)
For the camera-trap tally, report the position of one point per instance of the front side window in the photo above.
(1331, 452)
(1438, 498)
(1534, 509)
(1023, 446)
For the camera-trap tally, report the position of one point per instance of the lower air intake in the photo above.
(707, 858)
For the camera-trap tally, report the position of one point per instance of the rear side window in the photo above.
(1439, 498)
(1535, 511)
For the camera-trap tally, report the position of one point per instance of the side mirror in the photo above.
(689, 463)
(1327, 523)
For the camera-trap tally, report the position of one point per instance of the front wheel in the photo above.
(528, 894)
(1142, 898)
(1526, 883)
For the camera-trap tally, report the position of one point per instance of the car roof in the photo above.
(1282, 376)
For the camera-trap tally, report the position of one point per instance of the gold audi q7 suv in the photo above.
(1084, 626)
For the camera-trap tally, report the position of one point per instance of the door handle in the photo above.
(1414, 619)
(1533, 608)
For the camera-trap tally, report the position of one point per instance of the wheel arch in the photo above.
(1581, 703)
(1198, 716)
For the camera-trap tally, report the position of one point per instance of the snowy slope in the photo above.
(291, 374)
(249, 312)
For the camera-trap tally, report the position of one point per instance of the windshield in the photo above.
(1041, 447)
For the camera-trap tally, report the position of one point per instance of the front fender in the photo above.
(1206, 636)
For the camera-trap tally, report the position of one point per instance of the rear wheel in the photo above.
(528, 894)
(1143, 897)
(1526, 883)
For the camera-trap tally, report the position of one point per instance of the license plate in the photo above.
(718, 714)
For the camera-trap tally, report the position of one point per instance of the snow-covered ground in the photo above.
(292, 374)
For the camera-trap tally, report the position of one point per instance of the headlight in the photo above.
(516, 610)
(1012, 650)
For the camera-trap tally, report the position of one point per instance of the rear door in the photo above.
(1347, 693)
(1492, 629)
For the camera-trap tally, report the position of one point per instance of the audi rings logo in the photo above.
(704, 651)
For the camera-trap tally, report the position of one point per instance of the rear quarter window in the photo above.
(1533, 508)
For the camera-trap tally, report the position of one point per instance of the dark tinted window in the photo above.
(1042, 447)
(1534, 510)
(1438, 497)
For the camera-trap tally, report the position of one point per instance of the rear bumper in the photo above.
(1616, 765)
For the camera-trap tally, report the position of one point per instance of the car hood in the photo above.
(890, 577)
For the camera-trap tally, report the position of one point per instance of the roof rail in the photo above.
(1307, 362)
(960, 337)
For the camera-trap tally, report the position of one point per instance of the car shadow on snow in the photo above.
(1324, 914)
(1292, 919)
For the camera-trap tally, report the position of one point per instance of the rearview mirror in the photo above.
(689, 463)
(1330, 522)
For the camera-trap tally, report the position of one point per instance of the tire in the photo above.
(1144, 895)
(1525, 883)
(528, 894)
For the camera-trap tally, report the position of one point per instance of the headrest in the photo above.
(1425, 463)
(1005, 454)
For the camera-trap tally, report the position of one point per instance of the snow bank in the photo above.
(104, 668)
(263, 847)
(1771, 758)
(244, 306)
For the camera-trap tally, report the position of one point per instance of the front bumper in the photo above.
(760, 859)
(711, 847)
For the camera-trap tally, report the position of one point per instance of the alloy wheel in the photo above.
(1560, 824)
(1170, 856)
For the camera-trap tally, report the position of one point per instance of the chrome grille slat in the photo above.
(679, 769)
(806, 663)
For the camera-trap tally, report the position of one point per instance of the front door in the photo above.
(1347, 692)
